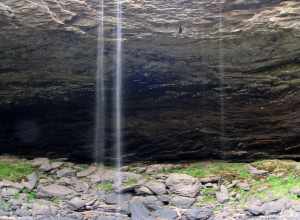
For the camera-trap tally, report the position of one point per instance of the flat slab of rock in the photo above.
(183, 185)
(198, 214)
(139, 211)
(156, 187)
(166, 214)
(54, 190)
(87, 172)
(76, 203)
(182, 202)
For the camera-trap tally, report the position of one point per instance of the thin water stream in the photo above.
(118, 96)
(99, 136)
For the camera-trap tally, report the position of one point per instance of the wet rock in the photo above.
(66, 172)
(56, 165)
(113, 198)
(182, 202)
(46, 167)
(183, 185)
(142, 190)
(156, 187)
(151, 202)
(54, 190)
(10, 184)
(198, 214)
(254, 207)
(32, 181)
(273, 207)
(164, 198)
(9, 192)
(139, 211)
(76, 203)
(165, 214)
(222, 195)
(103, 175)
(87, 172)
(43, 208)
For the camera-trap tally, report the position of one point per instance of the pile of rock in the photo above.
(63, 190)
(68, 191)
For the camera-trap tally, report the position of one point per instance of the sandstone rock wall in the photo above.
(226, 87)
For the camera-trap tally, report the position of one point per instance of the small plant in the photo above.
(106, 186)
(130, 182)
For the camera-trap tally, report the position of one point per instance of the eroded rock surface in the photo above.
(225, 85)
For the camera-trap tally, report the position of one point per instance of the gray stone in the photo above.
(32, 181)
(113, 198)
(46, 167)
(152, 202)
(66, 172)
(156, 187)
(142, 190)
(139, 211)
(222, 195)
(183, 185)
(198, 214)
(165, 214)
(273, 207)
(41, 208)
(56, 165)
(254, 207)
(87, 172)
(182, 202)
(54, 190)
(76, 203)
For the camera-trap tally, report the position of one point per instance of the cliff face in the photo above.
(226, 85)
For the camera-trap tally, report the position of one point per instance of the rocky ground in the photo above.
(44, 189)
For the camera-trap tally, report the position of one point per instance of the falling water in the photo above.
(99, 136)
(118, 96)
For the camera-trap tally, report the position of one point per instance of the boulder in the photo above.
(54, 190)
(183, 185)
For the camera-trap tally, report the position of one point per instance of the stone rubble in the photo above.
(89, 194)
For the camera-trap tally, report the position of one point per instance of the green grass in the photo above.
(14, 171)
(130, 182)
(279, 186)
(284, 176)
(106, 187)
(208, 197)
(217, 168)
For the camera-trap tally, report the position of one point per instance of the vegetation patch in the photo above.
(130, 182)
(106, 187)
(14, 171)
(225, 170)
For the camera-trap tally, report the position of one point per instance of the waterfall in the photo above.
(99, 136)
(118, 97)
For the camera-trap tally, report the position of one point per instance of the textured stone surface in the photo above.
(179, 103)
